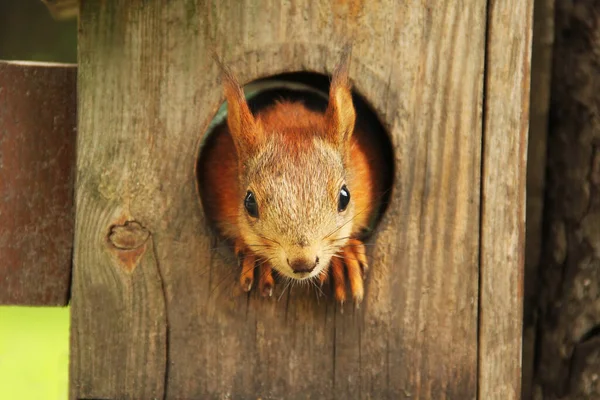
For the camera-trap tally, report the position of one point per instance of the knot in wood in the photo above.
(129, 236)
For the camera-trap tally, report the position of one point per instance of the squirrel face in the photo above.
(296, 207)
(295, 204)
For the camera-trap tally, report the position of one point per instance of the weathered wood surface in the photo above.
(37, 163)
(159, 317)
(568, 341)
(503, 198)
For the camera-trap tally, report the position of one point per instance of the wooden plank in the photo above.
(37, 163)
(118, 315)
(503, 198)
(147, 93)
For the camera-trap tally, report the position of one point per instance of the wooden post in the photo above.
(504, 167)
(153, 315)
(37, 164)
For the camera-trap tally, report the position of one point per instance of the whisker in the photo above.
(342, 238)
(317, 288)
(346, 223)
(269, 239)
(227, 276)
(348, 258)
(289, 282)
(263, 262)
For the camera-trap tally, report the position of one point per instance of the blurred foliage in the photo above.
(28, 32)
(34, 353)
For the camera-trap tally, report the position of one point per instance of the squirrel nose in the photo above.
(303, 265)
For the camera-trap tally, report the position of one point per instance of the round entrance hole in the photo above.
(238, 203)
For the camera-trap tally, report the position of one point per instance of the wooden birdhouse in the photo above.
(152, 315)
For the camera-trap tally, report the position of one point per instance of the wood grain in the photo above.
(118, 308)
(148, 90)
(506, 125)
(37, 164)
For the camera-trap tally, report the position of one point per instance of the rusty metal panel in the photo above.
(38, 104)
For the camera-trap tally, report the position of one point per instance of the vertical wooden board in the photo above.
(118, 314)
(37, 163)
(150, 89)
(503, 198)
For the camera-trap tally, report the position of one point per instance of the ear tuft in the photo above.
(244, 129)
(340, 113)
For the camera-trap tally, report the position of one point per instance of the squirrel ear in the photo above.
(244, 129)
(340, 114)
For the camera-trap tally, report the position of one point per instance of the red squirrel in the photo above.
(293, 187)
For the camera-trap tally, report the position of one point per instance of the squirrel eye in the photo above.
(344, 198)
(250, 204)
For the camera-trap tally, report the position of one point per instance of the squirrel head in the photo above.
(295, 202)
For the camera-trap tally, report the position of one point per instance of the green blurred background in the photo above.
(34, 341)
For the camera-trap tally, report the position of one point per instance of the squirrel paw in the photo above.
(354, 258)
(248, 261)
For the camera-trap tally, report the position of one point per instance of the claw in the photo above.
(247, 276)
(354, 273)
(353, 260)
(239, 252)
(266, 282)
(246, 284)
(266, 291)
(247, 261)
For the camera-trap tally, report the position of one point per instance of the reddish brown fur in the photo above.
(230, 157)
(221, 165)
